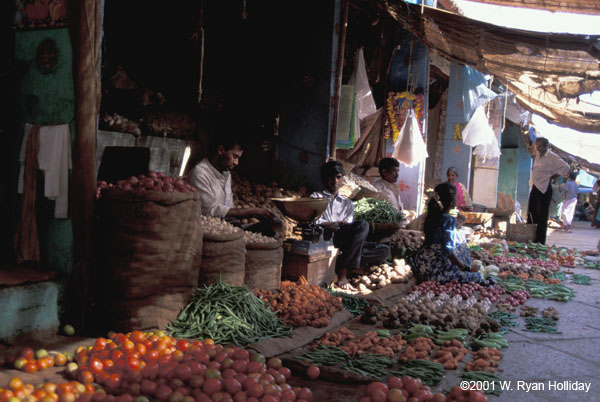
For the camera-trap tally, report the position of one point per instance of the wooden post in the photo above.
(338, 80)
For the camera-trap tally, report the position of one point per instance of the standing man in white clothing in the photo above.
(212, 178)
(386, 184)
(547, 166)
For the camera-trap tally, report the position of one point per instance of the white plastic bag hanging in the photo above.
(478, 130)
(410, 148)
(359, 79)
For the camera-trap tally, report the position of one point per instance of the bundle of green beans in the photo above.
(505, 319)
(374, 210)
(559, 275)
(325, 356)
(429, 372)
(492, 380)
(369, 365)
(353, 303)
(227, 314)
(511, 283)
(582, 279)
(537, 324)
(543, 290)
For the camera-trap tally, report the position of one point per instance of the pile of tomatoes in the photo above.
(412, 389)
(32, 361)
(159, 367)
(65, 391)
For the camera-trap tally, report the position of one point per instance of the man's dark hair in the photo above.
(227, 140)
(387, 164)
(331, 169)
(543, 139)
(573, 175)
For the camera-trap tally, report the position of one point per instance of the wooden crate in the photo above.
(316, 268)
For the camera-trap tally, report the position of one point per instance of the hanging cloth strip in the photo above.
(26, 242)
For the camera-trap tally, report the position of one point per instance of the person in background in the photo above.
(349, 235)
(463, 200)
(569, 194)
(212, 178)
(596, 191)
(547, 166)
(386, 182)
(440, 259)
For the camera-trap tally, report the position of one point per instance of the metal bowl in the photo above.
(301, 209)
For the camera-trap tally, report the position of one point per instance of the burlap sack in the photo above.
(224, 256)
(149, 312)
(147, 242)
(263, 265)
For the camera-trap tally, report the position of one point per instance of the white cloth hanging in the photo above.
(478, 133)
(410, 148)
(54, 159)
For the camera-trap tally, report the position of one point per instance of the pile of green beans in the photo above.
(374, 210)
(505, 319)
(429, 372)
(227, 314)
(511, 283)
(559, 275)
(582, 279)
(353, 303)
(543, 290)
(537, 324)
(325, 356)
(484, 377)
(369, 365)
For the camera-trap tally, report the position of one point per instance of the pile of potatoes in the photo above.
(442, 311)
(382, 275)
(407, 239)
(247, 194)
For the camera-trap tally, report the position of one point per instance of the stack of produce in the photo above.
(418, 348)
(375, 210)
(258, 238)
(227, 314)
(450, 354)
(380, 276)
(353, 303)
(429, 372)
(302, 304)
(154, 181)
(16, 390)
(493, 340)
(214, 225)
(406, 241)
(247, 194)
(407, 388)
(159, 367)
(31, 361)
(379, 342)
(442, 311)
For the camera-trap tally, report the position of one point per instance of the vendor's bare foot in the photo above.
(344, 284)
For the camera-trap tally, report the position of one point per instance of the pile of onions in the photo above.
(252, 237)
(518, 297)
(215, 225)
(154, 181)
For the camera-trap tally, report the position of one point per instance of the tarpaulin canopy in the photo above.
(563, 6)
(546, 71)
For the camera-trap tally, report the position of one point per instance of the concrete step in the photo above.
(28, 308)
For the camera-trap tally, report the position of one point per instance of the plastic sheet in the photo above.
(410, 148)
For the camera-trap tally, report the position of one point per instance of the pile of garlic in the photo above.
(216, 226)
(252, 237)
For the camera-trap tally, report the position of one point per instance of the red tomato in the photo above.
(255, 367)
(27, 353)
(255, 390)
(232, 385)
(313, 372)
(395, 382)
(212, 385)
(439, 398)
(182, 344)
(96, 365)
(376, 385)
(163, 392)
(148, 387)
(241, 354)
(305, 393)
(183, 372)
(396, 395)
(274, 362)
(411, 384)
(287, 373)
(240, 366)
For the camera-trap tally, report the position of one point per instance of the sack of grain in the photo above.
(223, 255)
(263, 264)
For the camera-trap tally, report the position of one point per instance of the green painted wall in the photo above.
(47, 99)
(509, 165)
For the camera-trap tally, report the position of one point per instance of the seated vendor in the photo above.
(386, 183)
(440, 258)
(212, 178)
(348, 235)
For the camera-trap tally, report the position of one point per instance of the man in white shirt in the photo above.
(212, 178)
(386, 183)
(348, 235)
(547, 166)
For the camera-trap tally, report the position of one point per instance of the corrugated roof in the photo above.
(546, 71)
(563, 6)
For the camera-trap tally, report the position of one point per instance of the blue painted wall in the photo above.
(305, 111)
(456, 153)
(46, 99)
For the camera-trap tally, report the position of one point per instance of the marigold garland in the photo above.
(397, 106)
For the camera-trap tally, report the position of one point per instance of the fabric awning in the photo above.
(570, 6)
(546, 71)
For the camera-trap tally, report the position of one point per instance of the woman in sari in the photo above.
(463, 201)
